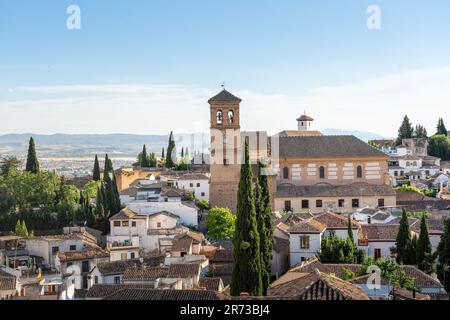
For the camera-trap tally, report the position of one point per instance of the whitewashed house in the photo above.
(77, 265)
(306, 236)
(193, 182)
(305, 240)
(187, 211)
(47, 247)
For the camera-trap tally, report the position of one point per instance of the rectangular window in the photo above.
(377, 254)
(305, 204)
(96, 280)
(55, 250)
(319, 204)
(198, 185)
(116, 280)
(85, 266)
(73, 248)
(381, 202)
(133, 224)
(191, 185)
(133, 255)
(123, 256)
(395, 173)
(125, 223)
(355, 203)
(341, 203)
(116, 223)
(304, 242)
(287, 206)
(158, 224)
(203, 194)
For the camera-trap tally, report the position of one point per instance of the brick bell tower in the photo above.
(225, 150)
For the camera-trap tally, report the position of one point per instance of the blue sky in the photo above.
(147, 57)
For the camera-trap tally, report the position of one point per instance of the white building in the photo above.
(197, 183)
(77, 265)
(47, 247)
(306, 236)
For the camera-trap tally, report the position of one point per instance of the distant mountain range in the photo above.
(120, 145)
(81, 145)
(365, 136)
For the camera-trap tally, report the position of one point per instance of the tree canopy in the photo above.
(220, 223)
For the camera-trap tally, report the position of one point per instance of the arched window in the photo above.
(359, 172)
(285, 173)
(322, 172)
(408, 163)
(219, 117)
(415, 163)
(230, 116)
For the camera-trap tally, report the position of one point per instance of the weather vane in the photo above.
(223, 85)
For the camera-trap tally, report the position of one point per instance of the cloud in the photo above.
(376, 105)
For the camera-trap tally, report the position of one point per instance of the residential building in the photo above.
(196, 183)
(77, 265)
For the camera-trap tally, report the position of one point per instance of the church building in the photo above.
(308, 171)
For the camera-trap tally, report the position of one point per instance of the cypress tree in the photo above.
(162, 153)
(405, 131)
(186, 152)
(144, 163)
(246, 275)
(32, 160)
(171, 153)
(423, 247)
(99, 211)
(420, 132)
(350, 230)
(403, 241)
(182, 152)
(443, 251)
(440, 129)
(112, 199)
(265, 226)
(96, 172)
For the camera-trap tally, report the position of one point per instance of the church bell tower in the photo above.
(225, 150)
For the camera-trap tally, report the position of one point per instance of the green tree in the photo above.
(21, 229)
(246, 275)
(112, 203)
(32, 160)
(405, 131)
(265, 225)
(96, 172)
(9, 164)
(182, 152)
(440, 128)
(443, 251)
(403, 241)
(424, 248)
(152, 160)
(420, 132)
(162, 153)
(350, 230)
(143, 158)
(221, 224)
(439, 146)
(171, 157)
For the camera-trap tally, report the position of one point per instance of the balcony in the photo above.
(118, 243)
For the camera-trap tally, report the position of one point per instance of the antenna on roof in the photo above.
(223, 85)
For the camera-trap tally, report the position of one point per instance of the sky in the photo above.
(149, 66)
